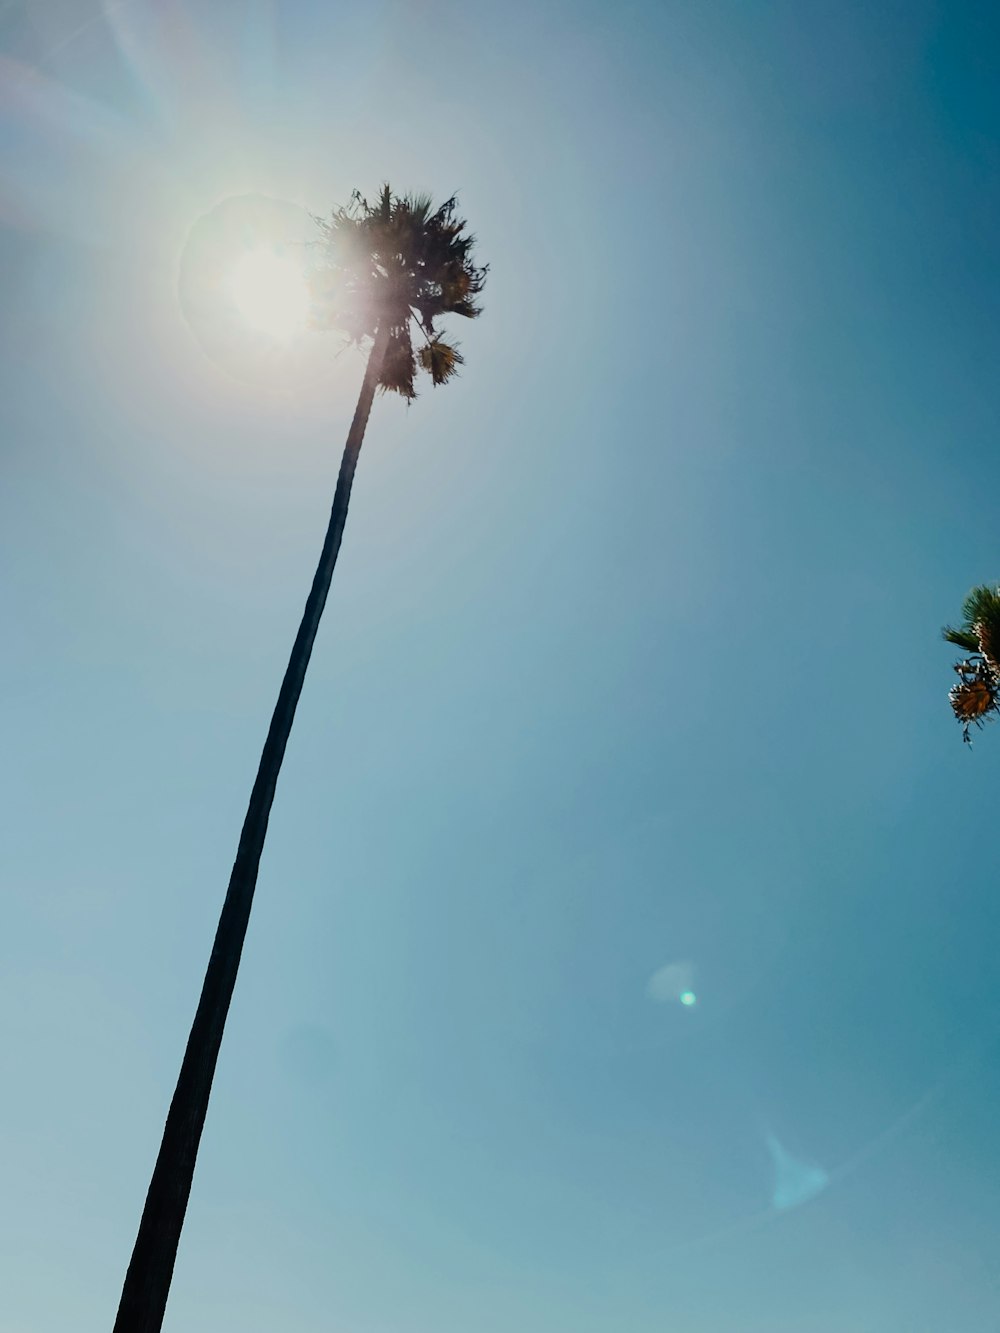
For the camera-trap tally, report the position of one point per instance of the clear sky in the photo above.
(629, 685)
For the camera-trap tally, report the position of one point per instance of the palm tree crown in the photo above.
(393, 264)
(977, 694)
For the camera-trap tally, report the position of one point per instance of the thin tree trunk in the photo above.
(147, 1282)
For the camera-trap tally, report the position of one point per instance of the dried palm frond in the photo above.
(975, 697)
(441, 360)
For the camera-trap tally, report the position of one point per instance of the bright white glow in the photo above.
(688, 998)
(270, 293)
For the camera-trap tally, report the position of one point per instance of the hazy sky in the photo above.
(628, 686)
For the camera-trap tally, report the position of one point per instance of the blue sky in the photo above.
(630, 662)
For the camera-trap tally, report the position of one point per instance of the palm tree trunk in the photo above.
(147, 1282)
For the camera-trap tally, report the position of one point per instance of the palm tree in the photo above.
(977, 695)
(381, 270)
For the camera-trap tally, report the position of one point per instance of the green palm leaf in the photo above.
(963, 638)
(981, 605)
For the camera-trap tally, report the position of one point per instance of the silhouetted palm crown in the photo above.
(395, 264)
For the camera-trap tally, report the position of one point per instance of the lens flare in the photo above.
(270, 293)
(673, 984)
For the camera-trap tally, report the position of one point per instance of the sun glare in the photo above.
(270, 293)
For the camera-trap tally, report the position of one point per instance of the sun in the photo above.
(269, 291)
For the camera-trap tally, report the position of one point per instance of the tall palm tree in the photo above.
(976, 697)
(384, 269)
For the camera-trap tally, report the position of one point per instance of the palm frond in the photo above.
(982, 604)
(399, 366)
(976, 698)
(980, 628)
(963, 638)
(441, 360)
(989, 642)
